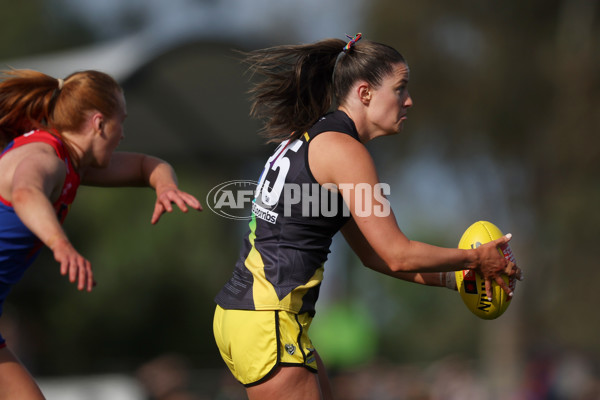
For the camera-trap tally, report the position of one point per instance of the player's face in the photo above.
(391, 101)
(112, 133)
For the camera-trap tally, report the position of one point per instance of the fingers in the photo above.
(497, 243)
(488, 289)
(513, 270)
(64, 267)
(510, 268)
(79, 270)
(494, 268)
(500, 282)
(520, 274)
(181, 199)
(86, 278)
(75, 267)
(73, 270)
(158, 211)
(191, 201)
(504, 286)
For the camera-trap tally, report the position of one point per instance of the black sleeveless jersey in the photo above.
(293, 222)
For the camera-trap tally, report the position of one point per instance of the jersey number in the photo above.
(270, 193)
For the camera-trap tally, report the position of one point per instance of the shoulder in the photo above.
(32, 143)
(337, 146)
(40, 140)
(38, 150)
(34, 149)
(334, 155)
(33, 165)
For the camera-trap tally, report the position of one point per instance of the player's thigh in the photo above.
(290, 383)
(15, 381)
(324, 382)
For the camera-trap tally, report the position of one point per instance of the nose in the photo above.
(408, 102)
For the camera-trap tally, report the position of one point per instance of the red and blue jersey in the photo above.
(18, 245)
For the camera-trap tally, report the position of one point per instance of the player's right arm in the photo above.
(37, 179)
(371, 259)
(137, 169)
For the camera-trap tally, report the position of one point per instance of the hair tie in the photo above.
(345, 50)
(352, 42)
(61, 83)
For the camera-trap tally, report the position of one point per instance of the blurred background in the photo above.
(505, 128)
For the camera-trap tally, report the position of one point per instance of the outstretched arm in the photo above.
(351, 168)
(136, 169)
(36, 183)
(371, 260)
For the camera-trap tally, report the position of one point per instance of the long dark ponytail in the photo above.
(296, 89)
(300, 83)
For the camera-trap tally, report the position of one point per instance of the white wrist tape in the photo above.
(451, 280)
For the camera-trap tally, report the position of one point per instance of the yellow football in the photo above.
(470, 284)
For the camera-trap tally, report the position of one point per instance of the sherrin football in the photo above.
(470, 284)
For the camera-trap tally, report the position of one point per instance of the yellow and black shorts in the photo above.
(254, 343)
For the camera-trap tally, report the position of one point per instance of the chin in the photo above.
(102, 164)
(400, 127)
(396, 130)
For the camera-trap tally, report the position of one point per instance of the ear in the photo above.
(97, 121)
(364, 93)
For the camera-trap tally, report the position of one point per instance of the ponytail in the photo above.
(301, 82)
(33, 100)
(26, 98)
(297, 89)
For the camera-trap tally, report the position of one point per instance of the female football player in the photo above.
(57, 134)
(319, 180)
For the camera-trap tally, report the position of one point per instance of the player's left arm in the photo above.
(370, 259)
(137, 169)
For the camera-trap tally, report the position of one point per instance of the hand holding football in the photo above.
(471, 285)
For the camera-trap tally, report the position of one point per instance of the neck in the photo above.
(75, 145)
(359, 121)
